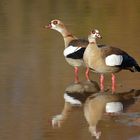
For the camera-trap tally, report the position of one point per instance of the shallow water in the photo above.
(34, 74)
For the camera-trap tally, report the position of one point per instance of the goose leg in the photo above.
(76, 70)
(113, 83)
(102, 82)
(87, 74)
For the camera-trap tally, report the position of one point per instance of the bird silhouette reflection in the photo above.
(95, 104)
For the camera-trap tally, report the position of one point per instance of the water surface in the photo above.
(34, 74)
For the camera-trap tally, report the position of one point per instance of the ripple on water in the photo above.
(130, 119)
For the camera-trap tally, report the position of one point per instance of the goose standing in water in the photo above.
(74, 47)
(107, 59)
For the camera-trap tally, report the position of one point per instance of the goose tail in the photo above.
(137, 68)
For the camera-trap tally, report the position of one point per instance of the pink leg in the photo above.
(113, 83)
(102, 82)
(87, 74)
(76, 75)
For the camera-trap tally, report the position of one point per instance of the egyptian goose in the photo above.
(74, 47)
(107, 59)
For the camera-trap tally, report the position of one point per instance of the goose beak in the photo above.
(99, 36)
(49, 26)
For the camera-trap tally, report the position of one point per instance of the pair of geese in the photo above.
(97, 58)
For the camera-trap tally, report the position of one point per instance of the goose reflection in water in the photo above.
(95, 104)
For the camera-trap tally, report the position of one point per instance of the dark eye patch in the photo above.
(93, 32)
(55, 22)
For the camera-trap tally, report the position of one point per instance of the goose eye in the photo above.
(93, 32)
(55, 22)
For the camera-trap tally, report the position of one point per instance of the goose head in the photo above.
(94, 35)
(56, 25)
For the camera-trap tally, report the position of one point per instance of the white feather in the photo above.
(114, 60)
(114, 107)
(71, 100)
(70, 50)
(57, 28)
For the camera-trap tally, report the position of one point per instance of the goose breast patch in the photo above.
(114, 60)
(70, 50)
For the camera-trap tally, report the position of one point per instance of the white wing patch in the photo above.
(71, 100)
(114, 107)
(114, 60)
(70, 50)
